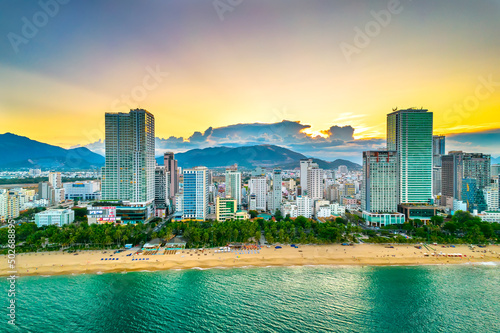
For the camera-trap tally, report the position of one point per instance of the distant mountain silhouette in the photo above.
(249, 157)
(21, 152)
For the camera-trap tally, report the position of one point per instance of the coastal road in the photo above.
(161, 224)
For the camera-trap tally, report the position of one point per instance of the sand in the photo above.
(54, 263)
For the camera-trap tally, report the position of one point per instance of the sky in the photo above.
(200, 64)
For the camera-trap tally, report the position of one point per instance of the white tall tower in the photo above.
(258, 187)
(314, 182)
(304, 165)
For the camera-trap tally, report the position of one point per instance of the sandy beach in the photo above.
(54, 263)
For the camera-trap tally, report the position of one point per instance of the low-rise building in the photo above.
(350, 201)
(383, 219)
(289, 208)
(490, 216)
(241, 215)
(225, 208)
(58, 217)
(121, 212)
(323, 211)
(83, 191)
(337, 209)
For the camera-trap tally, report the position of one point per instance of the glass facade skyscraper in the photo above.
(195, 194)
(409, 132)
(129, 171)
(277, 197)
(438, 150)
(233, 185)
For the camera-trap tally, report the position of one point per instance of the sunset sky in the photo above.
(266, 61)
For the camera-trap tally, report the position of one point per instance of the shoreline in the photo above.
(89, 262)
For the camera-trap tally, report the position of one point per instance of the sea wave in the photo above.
(488, 263)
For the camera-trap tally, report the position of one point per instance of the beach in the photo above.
(57, 263)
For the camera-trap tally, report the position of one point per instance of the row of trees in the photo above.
(461, 228)
(202, 234)
(79, 235)
(300, 230)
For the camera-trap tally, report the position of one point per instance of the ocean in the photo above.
(454, 298)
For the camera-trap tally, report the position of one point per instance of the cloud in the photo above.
(480, 142)
(338, 142)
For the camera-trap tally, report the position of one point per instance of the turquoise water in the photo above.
(286, 299)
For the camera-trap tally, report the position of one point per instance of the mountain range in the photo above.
(21, 152)
(249, 157)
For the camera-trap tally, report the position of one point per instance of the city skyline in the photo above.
(200, 71)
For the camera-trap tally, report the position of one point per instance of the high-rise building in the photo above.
(129, 171)
(457, 166)
(379, 193)
(48, 192)
(13, 204)
(314, 182)
(258, 187)
(277, 197)
(3, 204)
(161, 187)
(477, 166)
(495, 170)
(332, 192)
(252, 202)
(438, 150)
(491, 195)
(472, 195)
(55, 179)
(409, 132)
(304, 165)
(452, 176)
(171, 166)
(195, 193)
(349, 189)
(233, 185)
